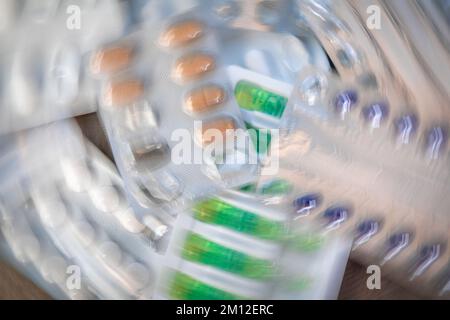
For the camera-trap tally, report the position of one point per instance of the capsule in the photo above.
(222, 125)
(252, 97)
(204, 99)
(181, 34)
(111, 60)
(218, 212)
(123, 92)
(193, 66)
(184, 287)
(201, 250)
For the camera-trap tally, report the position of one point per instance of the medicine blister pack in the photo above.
(42, 59)
(171, 132)
(366, 172)
(235, 246)
(74, 219)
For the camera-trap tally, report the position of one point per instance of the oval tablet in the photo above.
(181, 33)
(204, 98)
(111, 60)
(193, 66)
(123, 92)
(222, 124)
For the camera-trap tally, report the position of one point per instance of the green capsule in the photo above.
(201, 250)
(215, 211)
(252, 97)
(184, 287)
(261, 138)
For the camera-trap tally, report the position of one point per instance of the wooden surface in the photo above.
(15, 286)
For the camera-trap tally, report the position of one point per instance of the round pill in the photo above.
(345, 101)
(31, 246)
(181, 33)
(123, 92)
(85, 232)
(307, 202)
(212, 127)
(105, 198)
(54, 269)
(204, 99)
(436, 141)
(193, 66)
(111, 60)
(405, 127)
(53, 213)
(138, 274)
(366, 230)
(76, 175)
(375, 113)
(336, 216)
(110, 253)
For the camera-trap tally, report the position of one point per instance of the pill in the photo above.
(193, 66)
(218, 212)
(208, 134)
(365, 231)
(375, 113)
(110, 60)
(139, 275)
(335, 216)
(76, 174)
(252, 97)
(205, 98)
(129, 221)
(110, 253)
(396, 243)
(150, 156)
(304, 204)
(436, 141)
(158, 228)
(345, 101)
(427, 256)
(105, 198)
(31, 246)
(181, 33)
(123, 92)
(53, 269)
(405, 127)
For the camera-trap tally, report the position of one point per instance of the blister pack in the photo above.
(174, 127)
(359, 157)
(237, 246)
(68, 224)
(42, 53)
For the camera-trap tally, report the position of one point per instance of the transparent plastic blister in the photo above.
(42, 60)
(74, 220)
(384, 168)
(237, 246)
(184, 94)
